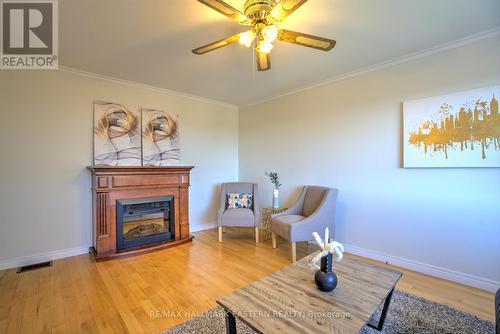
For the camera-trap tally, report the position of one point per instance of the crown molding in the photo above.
(389, 63)
(75, 71)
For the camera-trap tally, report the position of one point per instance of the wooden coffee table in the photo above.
(288, 301)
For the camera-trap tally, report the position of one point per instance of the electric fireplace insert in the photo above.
(144, 221)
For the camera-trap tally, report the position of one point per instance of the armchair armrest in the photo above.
(322, 217)
(222, 204)
(256, 207)
(296, 209)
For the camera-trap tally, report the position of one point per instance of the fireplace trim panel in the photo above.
(110, 184)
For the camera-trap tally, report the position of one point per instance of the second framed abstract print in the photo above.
(160, 138)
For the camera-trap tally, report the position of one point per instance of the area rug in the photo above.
(407, 314)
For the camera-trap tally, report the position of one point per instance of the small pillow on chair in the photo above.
(239, 201)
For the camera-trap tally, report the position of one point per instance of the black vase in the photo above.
(325, 278)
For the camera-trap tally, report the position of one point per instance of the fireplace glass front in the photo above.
(143, 221)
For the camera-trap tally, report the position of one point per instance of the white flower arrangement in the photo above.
(327, 247)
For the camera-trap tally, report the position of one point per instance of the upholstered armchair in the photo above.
(238, 217)
(313, 212)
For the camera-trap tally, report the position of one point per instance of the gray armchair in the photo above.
(313, 212)
(238, 217)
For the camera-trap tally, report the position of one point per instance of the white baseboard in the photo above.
(44, 257)
(59, 254)
(455, 276)
(202, 227)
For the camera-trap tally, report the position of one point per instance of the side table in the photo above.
(266, 221)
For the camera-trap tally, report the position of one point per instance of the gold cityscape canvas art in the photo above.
(455, 130)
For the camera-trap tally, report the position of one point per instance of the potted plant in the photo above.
(273, 176)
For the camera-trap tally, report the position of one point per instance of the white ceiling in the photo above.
(150, 41)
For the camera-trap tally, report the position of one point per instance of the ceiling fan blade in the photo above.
(284, 8)
(310, 41)
(226, 10)
(263, 60)
(217, 44)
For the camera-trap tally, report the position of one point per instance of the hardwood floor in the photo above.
(152, 292)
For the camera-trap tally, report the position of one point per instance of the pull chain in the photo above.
(254, 60)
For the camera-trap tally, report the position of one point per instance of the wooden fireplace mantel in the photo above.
(110, 184)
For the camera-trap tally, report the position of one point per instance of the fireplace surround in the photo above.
(139, 209)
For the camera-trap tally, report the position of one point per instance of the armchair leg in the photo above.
(257, 235)
(273, 236)
(220, 233)
(294, 252)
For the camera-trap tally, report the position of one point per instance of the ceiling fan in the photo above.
(262, 16)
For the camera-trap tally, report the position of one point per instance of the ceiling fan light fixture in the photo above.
(270, 33)
(265, 46)
(262, 17)
(246, 38)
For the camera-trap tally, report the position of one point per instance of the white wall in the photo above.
(348, 135)
(46, 144)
